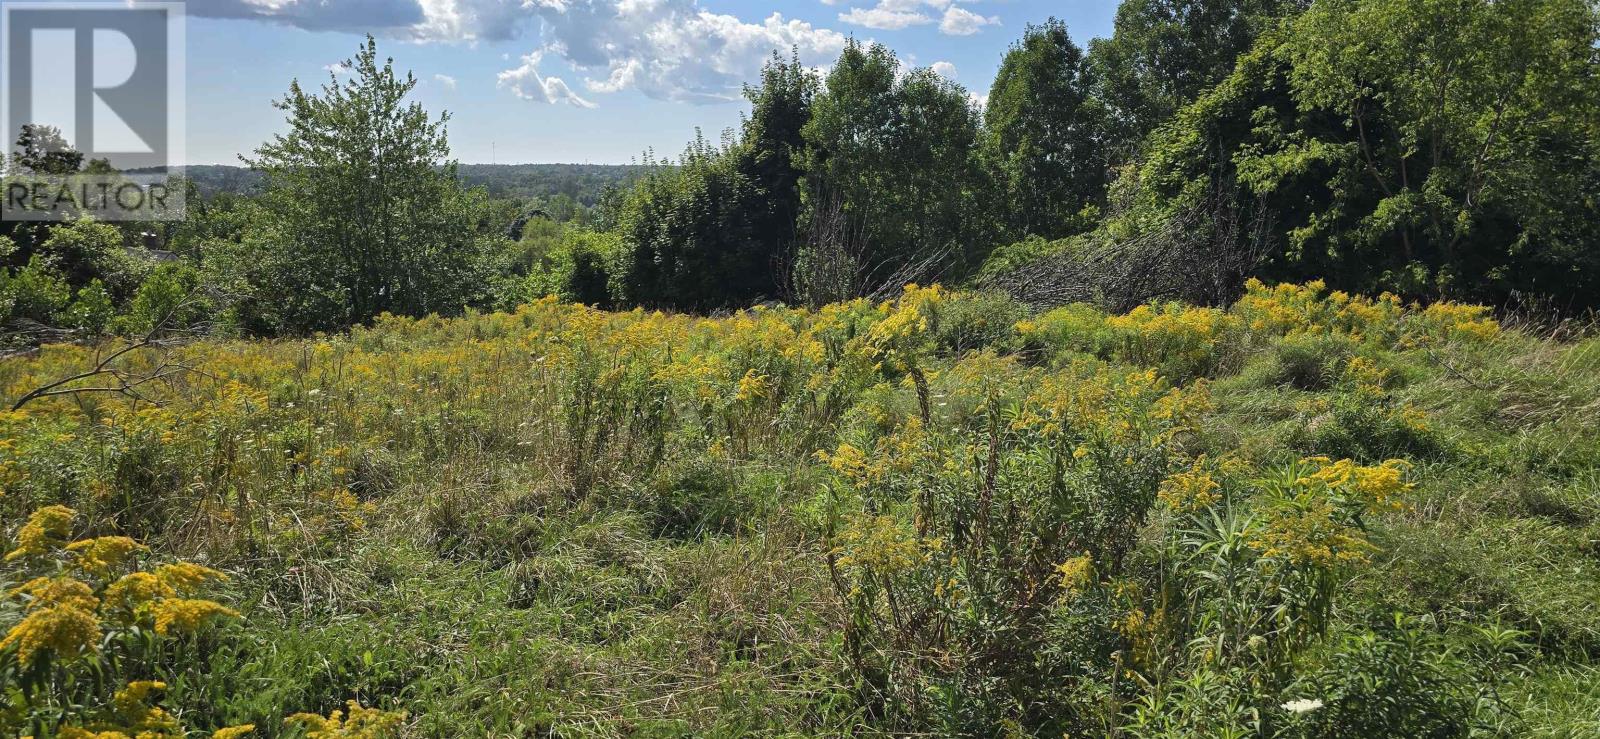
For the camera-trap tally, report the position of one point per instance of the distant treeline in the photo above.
(583, 183)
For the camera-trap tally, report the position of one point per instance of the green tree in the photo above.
(42, 150)
(711, 231)
(1042, 134)
(362, 210)
(1163, 53)
(899, 153)
(1431, 147)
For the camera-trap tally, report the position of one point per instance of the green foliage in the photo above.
(871, 126)
(358, 216)
(36, 291)
(974, 321)
(1401, 680)
(1041, 130)
(84, 249)
(712, 232)
(1412, 147)
(170, 299)
(1165, 53)
(92, 311)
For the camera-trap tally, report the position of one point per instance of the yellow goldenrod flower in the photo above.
(1190, 491)
(187, 615)
(188, 578)
(136, 589)
(43, 533)
(99, 556)
(362, 723)
(1076, 573)
(65, 629)
(73, 732)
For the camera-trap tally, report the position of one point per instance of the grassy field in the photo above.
(1309, 515)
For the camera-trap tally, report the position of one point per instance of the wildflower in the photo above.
(1365, 375)
(188, 578)
(852, 463)
(64, 628)
(134, 712)
(1380, 486)
(50, 591)
(136, 589)
(233, 732)
(880, 544)
(99, 556)
(1076, 573)
(43, 533)
(753, 386)
(73, 732)
(1187, 492)
(362, 723)
(1306, 532)
(1302, 705)
(187, 615)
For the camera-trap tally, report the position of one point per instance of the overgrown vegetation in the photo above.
(389, 455)
(1303, 515)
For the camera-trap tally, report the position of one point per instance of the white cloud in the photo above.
(337, 69)
(525, 82)
(446, 80)
(894, 15)
(884, 19)
(672, 49)
(417, 20)
(944, 69)
(959, 21)
(666, 49)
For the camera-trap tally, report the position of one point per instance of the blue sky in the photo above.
(573, 80)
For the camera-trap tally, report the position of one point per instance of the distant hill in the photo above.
(584, 183)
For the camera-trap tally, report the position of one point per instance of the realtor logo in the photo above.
(92, 110)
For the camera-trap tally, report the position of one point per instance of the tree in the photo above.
(899, 152)
(711, 232)
(1163, 53)
(1042, 134)
(1429, 147)
(362, 211)
(687, 236)
(42, 150)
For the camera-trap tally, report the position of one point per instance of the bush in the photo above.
(1398, 681)
(169, 300)
(574, 270)
(1311, 361)
(36, 292)
(92, 312)
(970, 321)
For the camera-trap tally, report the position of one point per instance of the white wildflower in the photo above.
(1302, 705)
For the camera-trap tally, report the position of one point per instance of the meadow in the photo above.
(1310, 514)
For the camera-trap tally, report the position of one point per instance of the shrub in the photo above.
(1311, 361)
(1401, 680)
(36, 291)
(971, 321)
(168, 299)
